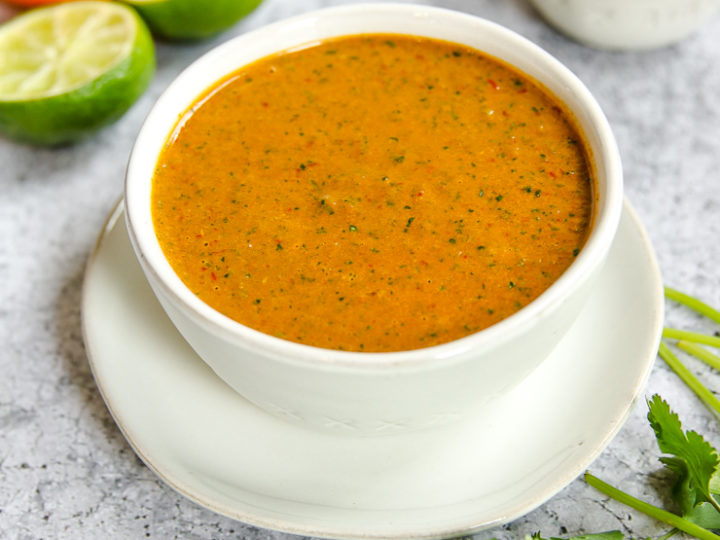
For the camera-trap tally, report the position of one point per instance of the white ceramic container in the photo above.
(627, 24)
(374, 393)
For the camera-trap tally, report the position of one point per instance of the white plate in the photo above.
(215, 448)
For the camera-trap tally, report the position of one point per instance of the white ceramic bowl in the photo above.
(627, 24)
(374, 393)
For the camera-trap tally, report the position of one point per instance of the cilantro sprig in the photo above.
(695, 465)
(694, 462)
(692, 459)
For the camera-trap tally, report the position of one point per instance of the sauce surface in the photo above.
(373, 193)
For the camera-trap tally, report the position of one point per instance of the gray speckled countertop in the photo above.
(65, 469)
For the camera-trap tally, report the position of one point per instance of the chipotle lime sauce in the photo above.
(373, 193)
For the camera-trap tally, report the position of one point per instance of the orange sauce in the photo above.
(373, 193)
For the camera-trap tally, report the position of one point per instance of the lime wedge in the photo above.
(69, 69)
(191, 19)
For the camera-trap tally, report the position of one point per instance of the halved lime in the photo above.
(191, 19)
(69, 69)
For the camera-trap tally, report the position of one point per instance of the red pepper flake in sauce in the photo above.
(379, 204)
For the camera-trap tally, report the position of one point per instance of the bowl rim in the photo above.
(591, 256)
